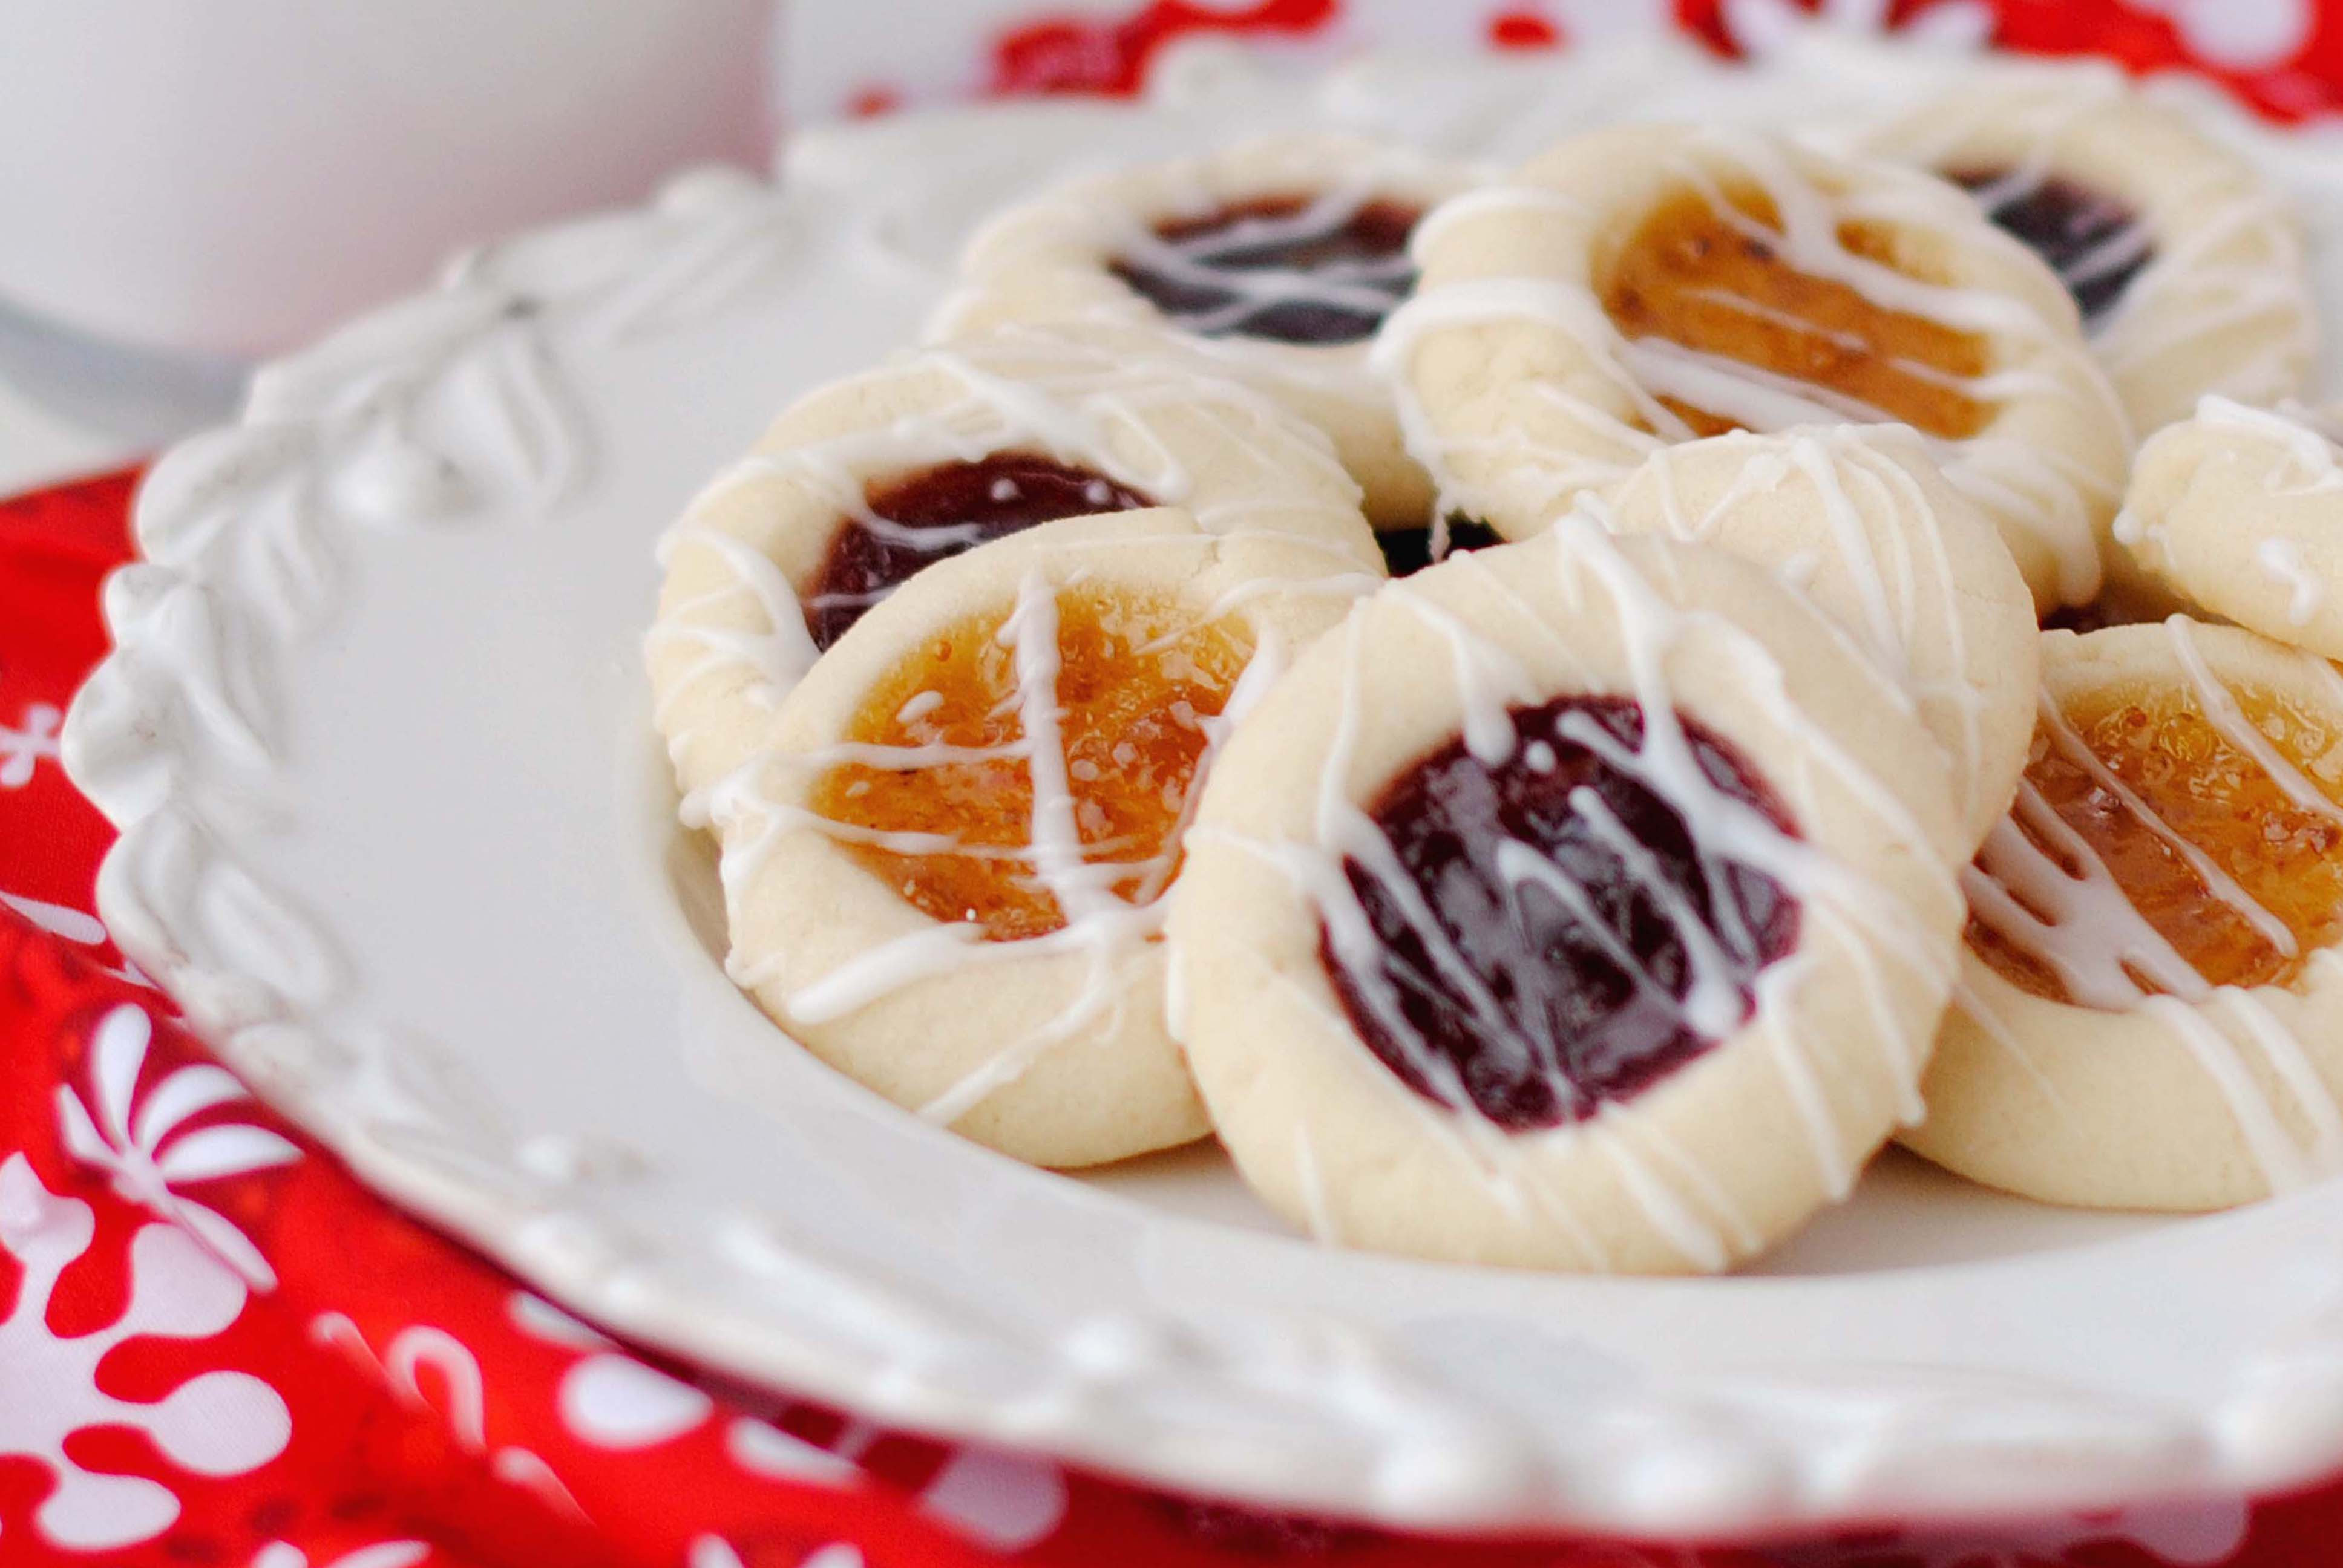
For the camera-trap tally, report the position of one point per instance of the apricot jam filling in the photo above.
(1137, 677)
(2159, 744)
(1718, 284)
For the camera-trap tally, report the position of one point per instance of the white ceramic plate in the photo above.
(396, 832)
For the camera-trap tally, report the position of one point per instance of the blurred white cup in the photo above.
(230, 177)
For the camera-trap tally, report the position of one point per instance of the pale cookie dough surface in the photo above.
(1518, 390)
(1055, 258)
(2240, 509)
(1859, 519)
(1741, 1142)
(2120, 1076)
(1051, 1046)
(1144, 415)
(2189, 262)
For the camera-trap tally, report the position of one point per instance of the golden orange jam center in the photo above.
(2286, 857)
(1692, 276)
(1139, 677)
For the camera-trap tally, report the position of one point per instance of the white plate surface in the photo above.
(396, 831)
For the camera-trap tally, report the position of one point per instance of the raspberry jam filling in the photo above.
(1137, 676)
(1715, 280)
(1407, 551)
(2225, 864)
(939, 512)
(1538, 945)
(2094, 244)
(1295, 268)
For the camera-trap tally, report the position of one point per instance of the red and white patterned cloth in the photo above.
(216, 1349)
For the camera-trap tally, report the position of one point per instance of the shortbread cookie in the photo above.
(1646, 285)
(948, 873)
(2151, 1006)
(867, 480)
(1279, 257)
(1578, 904)
(2187, 265)
(1858, 519)
(2240, 510)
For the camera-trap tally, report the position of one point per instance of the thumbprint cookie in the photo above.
(1577, 904)
(1640, 286)
(2187, 265)
(2150, 1011)
(946, 873)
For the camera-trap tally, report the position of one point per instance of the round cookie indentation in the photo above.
(936, 513)
(1302, 268)
(2095, 243)
(1601, 947)
(1707, 273)
(2235, 860)
(1118, 684)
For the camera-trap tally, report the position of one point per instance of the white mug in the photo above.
(233, 177)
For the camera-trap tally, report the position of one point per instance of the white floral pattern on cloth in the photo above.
(381, 1555)
(29, 742)
(216, 1424)
(465, 1391)
(714, 1552)
(78, 927)
(1757, 26)
(138, 1140)
(2238, 34)
(1002, 1501)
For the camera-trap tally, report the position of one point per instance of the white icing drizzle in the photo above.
(2306, 591)
(2040, 887)
(1016, 390)
(1681, 1201)
(1885, 568)
(2311, 466)
(1102, 927)
(1213, 263)
(2044, 493)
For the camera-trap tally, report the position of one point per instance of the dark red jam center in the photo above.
(940, 513)
(1293, 268)
(1540, 1006)
(2096, 244)
(1407, 551)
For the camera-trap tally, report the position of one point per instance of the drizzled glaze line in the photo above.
(2046, 494)
(1364, 287)
(2042, 888)
(1905, 600)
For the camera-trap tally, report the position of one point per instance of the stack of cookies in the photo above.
(1559, 713)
